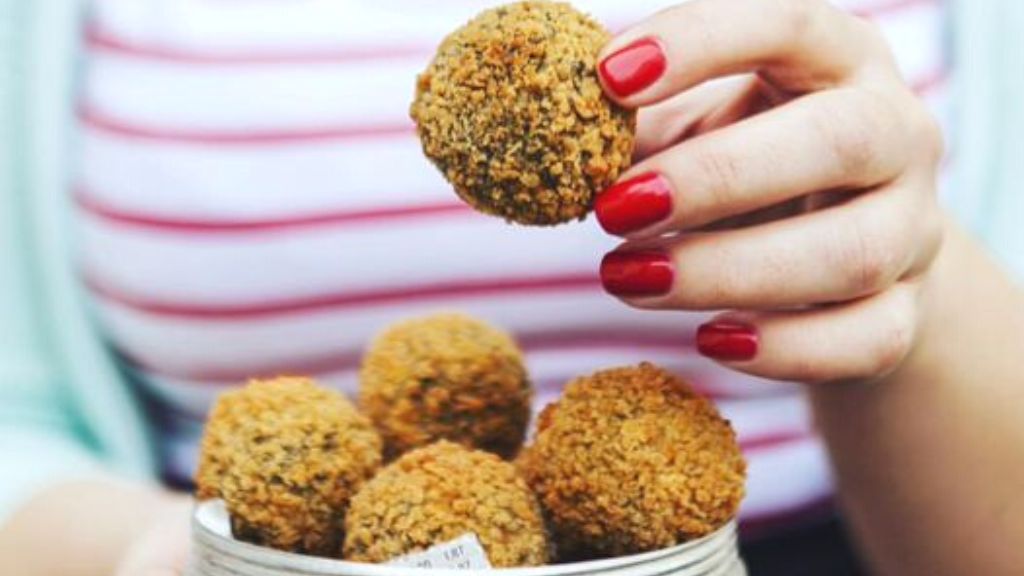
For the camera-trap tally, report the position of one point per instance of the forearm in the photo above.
(78, 528)
(930, 460)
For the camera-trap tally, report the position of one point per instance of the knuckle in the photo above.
(875, 51)
(702, 36)
(923, 239)
(866, 260)
(876, 44)
(717, 173)
(893, 343)
(933, 231)
(798, 16)
(850, 139)
(809, 371)
(926, 132)
(898, 122)
(713, 291)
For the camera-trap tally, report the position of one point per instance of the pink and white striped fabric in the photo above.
(252, 200)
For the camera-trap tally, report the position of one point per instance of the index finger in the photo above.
(797, 45)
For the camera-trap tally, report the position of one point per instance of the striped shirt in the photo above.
(252, 200)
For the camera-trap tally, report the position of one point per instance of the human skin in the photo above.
(916, 384)
(100, 526)
(800, 198)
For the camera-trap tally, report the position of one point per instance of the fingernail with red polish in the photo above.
(633, 68)
(647, 273)
(634, 204)
(727, 340)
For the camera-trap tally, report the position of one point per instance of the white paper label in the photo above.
(463, 553)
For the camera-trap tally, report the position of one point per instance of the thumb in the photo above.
(161, 550)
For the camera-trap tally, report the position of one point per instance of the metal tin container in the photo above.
(215, 553)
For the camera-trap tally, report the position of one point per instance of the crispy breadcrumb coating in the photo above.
(631, 459)
(439, 492)
(446, 376)
(512, 113)
(286, 455)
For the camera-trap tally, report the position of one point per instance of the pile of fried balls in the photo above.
(627, 460)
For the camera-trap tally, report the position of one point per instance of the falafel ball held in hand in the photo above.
(631, 459)
(440, 492)
(446, 376)
(512, 113)
(286, 455)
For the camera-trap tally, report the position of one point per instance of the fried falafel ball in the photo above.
(439, 492)
(632, 459)
(512, 113)
(446, 376)
(286, 455)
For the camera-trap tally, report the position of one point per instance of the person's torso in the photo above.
(252, 200)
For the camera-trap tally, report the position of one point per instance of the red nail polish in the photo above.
(633, 68)
(647, 273)
(727, 340)
(634, 204)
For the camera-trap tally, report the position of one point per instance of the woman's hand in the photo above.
(161, 547)
(99, 526)
(799, 192)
